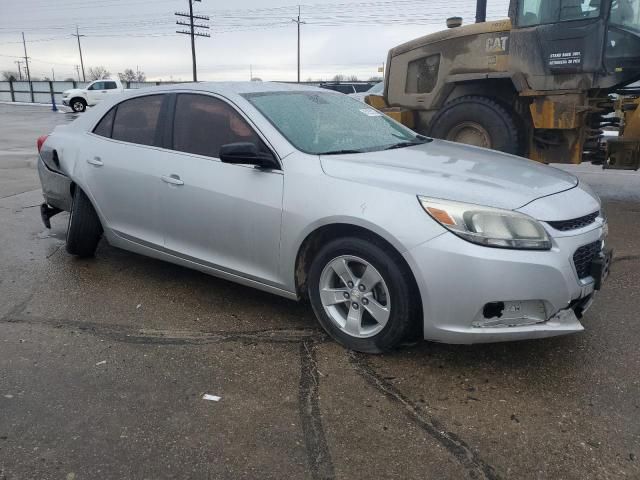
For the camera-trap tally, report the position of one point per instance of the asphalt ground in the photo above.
(104, 364)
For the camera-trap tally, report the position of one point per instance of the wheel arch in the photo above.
(502, 90)
(315, 239)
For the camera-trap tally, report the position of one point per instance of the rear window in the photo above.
(106, 124)
(136, 120)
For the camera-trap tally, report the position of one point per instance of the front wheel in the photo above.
(362, 296)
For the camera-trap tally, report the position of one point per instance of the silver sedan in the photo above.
(309, 194)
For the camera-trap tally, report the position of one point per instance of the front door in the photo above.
(96, 92)
(221, 215)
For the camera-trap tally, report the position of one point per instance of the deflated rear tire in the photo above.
(362, 295)
(85, 230)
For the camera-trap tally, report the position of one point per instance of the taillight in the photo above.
(41, 141)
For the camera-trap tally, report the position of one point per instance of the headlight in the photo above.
(491, 227)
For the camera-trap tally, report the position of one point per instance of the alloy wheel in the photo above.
(355, 296)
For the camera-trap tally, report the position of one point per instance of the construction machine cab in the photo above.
(575, 44)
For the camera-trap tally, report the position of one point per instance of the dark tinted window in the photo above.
(361, 87)
(137, 119)
(104, 127)
(422, 74)
(203, 124)
(110, 85)
(537, 12)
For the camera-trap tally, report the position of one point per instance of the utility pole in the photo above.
(192, 32)
(77, 35)
(18, 62)
(26, 61)
(78, 71)
(26, 58)
(298, 21)
(53, 75)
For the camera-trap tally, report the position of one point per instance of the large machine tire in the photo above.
(479, 121)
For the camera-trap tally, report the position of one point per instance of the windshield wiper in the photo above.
(405, 144)
(340, 152)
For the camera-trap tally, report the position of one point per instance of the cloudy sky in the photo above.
(350, 37)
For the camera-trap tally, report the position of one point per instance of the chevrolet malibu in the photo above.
(309, 194)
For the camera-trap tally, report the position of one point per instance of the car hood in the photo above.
(72, 91)
(452, 171)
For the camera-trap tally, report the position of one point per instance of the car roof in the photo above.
(234, 88)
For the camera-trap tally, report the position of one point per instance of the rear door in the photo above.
(221, 215)
(122, 171)
(111, 87)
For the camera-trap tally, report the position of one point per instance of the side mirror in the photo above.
(247, 153)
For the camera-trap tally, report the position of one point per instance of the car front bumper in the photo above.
(540, 289)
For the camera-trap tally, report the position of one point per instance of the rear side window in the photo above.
(136, 120)
(106, 124)
(110, 85)
(202, 124)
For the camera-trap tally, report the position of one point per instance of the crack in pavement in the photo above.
(475, 466)
(318, 454)
(625, 258)
(125, 334)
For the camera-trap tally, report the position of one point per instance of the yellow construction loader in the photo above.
(553, 82)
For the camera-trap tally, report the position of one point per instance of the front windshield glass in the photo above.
(324, 123)
(626, 13)
(377, 88)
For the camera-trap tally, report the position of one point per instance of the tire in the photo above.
(78, 104)
(459, 120)
(394, 293)
(85, 230)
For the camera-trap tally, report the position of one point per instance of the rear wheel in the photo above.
(78, 104)
(85, 230)
(478, 121)
(361, 295)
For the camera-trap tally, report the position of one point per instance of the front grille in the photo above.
(575, 223)
(583, 257)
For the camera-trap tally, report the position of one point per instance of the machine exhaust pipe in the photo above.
(481, 11)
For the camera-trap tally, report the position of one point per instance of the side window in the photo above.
(136, 120)
(97, 86)
(110, 85)
(422, 74)
(202, 124)
(105, 125)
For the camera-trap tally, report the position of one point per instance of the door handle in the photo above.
(95, 161)
(172, 179)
